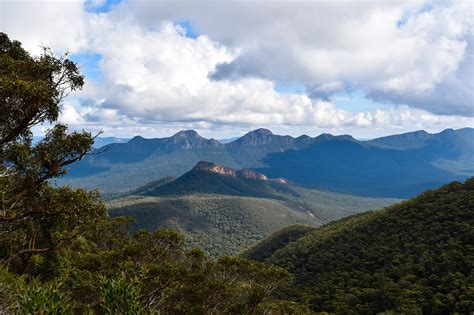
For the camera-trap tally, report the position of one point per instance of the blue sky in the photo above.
(89, 64)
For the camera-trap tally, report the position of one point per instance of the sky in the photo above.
(366, 68)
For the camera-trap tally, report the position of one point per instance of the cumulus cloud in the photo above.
(453, 95)
(154, 78)
(389, 49)
(57, 24)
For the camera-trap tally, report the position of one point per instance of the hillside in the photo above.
(221, 225)
(267, 247)
(225, 210)
(410, 162)
(211, 178)
(414, 257)
(353, 167)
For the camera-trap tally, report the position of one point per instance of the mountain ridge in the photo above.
(328, 162)
(257, 136)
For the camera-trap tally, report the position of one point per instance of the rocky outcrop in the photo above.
(210, 167)
(246, 173)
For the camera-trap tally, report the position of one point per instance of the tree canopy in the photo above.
(415, 257)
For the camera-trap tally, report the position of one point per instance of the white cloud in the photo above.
(155, 79)
(384, 47)
(54, 23)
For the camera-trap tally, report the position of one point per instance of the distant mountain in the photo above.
(394, 166)
(463, 139)
(98, 141)
(413, 257)
(101, 141)
(227, 140)
(225, 210)
(264, 137)
(211, 178)
(410, 140)
(139, 148)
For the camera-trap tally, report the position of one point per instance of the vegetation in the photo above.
(108, 271)
(221, 225)
(413, 257)
(276, 241)
(203, 182)
(225, 215)
(60, 253)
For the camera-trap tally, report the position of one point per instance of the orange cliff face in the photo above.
(210, 167)
(246, 173)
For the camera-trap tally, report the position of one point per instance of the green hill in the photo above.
(225, 211)
(210, 178)
(414, 257)
(264, 249)
(221, 225)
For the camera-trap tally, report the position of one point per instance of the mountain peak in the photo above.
(186, 134)
(136, 139)
(259, 136)
(328, 136)
(189, 139)
(261, 131)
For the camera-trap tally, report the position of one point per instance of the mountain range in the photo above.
(225, 210)
(395, 166)
(98, 141)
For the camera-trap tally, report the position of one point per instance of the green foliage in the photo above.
(154, 272)
(35, 218)
(121, 296)
(42, 299)
(416, 256)
(221, 225)
(31, 88)
(277, 240)
(236, 212)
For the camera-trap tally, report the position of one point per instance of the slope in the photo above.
(415, 257)
(353, 167)
(221, 225)
(225, 210)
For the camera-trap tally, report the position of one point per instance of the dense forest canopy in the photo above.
(413, 257)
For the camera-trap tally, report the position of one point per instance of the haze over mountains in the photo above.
(395, 166)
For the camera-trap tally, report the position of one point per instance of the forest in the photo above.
(413, 257)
